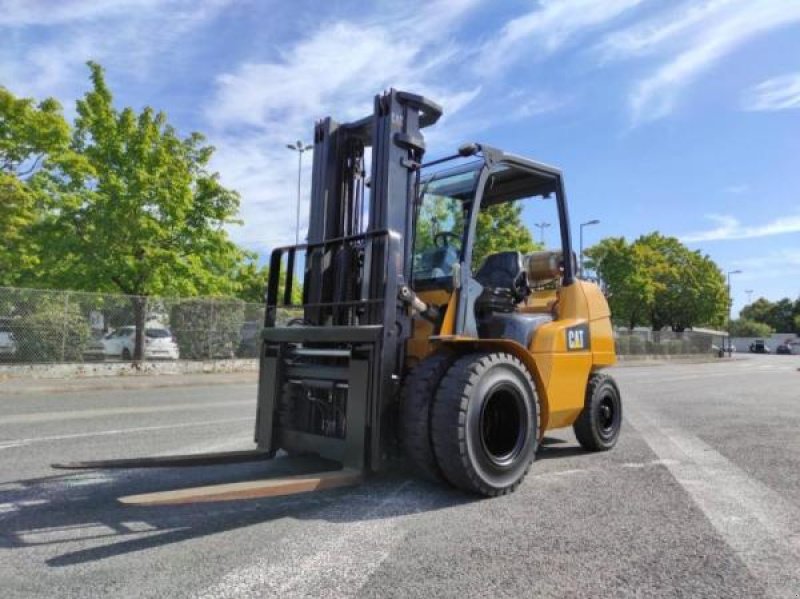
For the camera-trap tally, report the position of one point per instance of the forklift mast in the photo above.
(327, 380)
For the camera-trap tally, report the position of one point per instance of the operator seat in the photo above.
(504, 282)
(504, 278)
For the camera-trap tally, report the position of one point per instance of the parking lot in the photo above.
(701, 498)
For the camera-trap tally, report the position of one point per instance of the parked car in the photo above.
(159, 343)
(788, 348)
(8, 344)
(95, 350)
(759, 347)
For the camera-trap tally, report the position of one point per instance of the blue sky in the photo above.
(680, 116)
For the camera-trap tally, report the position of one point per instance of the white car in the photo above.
(159, 344)
(8, 344)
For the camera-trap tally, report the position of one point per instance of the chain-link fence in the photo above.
(668, 343)
(40, 326)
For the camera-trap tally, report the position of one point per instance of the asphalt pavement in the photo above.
(700, 498)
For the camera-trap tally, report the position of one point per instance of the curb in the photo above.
(127, 369)
(654, 360)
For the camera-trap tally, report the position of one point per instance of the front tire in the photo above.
(597, 428)
(485, 423)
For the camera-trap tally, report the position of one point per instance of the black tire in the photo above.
(597, 428)
(419, 391)
(485, 423)
(126, 354)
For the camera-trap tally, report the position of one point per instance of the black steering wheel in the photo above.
(442, 239)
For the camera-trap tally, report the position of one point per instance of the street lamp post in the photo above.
(541, 226)
(586, 224)
(298, 147)
(730, 307)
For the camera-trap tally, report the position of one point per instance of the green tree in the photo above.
(500, 229)
(251, 281)
(780, 316)
(783, 316)
(141, 214)
(30, 134)
(758, 311)
(691, 288)
(631, 288)
(744, 327)
(659, 281)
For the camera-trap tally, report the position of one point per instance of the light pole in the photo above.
(298, 147)
(541, 226)
(730, 306)
(586, 224)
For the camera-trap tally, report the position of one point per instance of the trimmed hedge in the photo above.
(207, 329)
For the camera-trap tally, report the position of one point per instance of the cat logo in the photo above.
(578, 338)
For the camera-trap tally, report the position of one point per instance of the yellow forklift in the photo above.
(400, 346)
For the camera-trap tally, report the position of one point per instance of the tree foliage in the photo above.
(657, 281)
(744, 327)
(30, 135)
(623, 267)
(500, 228)
(782, 316)
(140, 212)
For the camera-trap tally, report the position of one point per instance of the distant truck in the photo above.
(759, 347)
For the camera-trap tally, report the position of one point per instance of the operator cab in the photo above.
(509, 291)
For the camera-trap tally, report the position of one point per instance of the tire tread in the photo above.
(450, 418)
(418, 394)
(582, 427)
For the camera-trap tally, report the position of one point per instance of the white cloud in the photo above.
(645, 37)
(703, 37)
(259, 106)
(729, 227)
(778, 93)
(530, 104)
(127, 36)
(548, 27)
(778, 264)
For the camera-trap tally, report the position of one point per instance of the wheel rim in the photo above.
(607, 416)
(503, 424)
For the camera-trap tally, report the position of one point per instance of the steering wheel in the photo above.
(442, 239)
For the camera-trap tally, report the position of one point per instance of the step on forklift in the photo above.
(399, 346)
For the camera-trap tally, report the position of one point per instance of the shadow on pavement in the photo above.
(64, 508)
(68, 507)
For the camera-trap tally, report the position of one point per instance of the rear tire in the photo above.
(126, 354)
(486, 423)
(419, 391)
(597, 428)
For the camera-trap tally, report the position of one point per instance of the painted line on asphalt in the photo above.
(98, 413)
(338, 562)
(761, 527)
(21, 442)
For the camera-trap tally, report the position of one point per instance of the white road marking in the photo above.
(760, 525)
(100, 412)
(648, 464)
(343, 558)
(121, 431)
